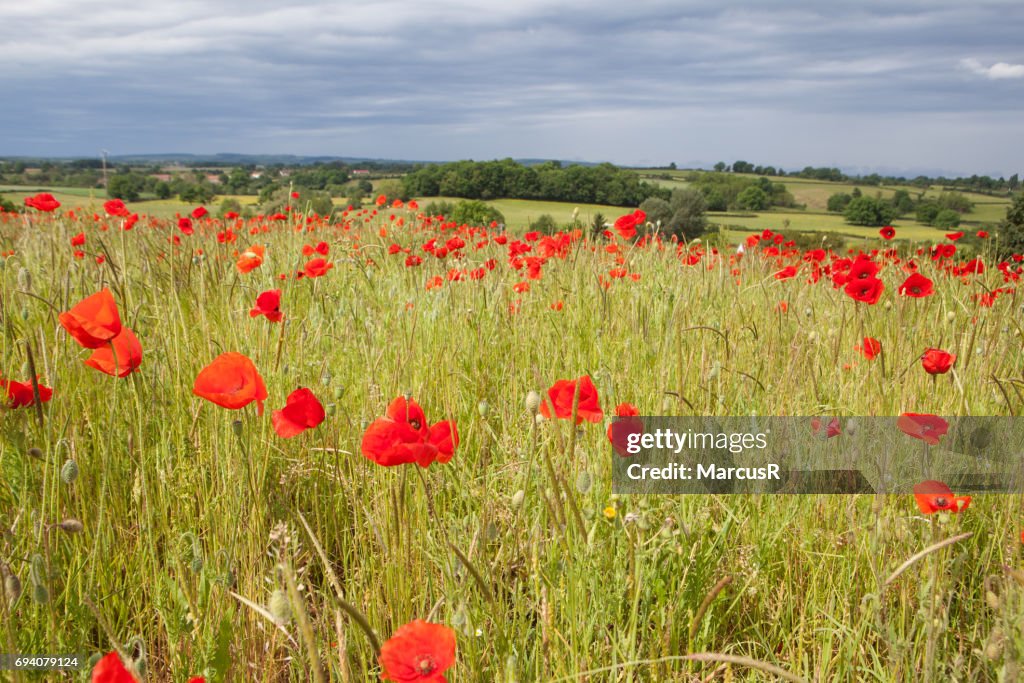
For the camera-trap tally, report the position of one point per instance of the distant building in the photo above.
(213, 178)
(360, 171)
(256, 174)
(163, 177)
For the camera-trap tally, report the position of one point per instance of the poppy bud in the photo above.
(539, 419)
(338, 393)
(517, 499)
(3, 262)
(236, 427)
(331, 409)
(851, 427)
(279, 607)
(993, 600)
(12, 588)
(24, 313)
(69, 472)
(40, 595)
(951, 316)
(584, 482)
(716, 368)
(24, 279)
(35, 453)
(532, 402)
(71, 526)
(483, 409)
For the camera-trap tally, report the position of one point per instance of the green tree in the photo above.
(753, 199)
(1011, 230)
(838, 202)
(687, 221)
(946, 218)
(476, 213)
(926, 212)
(545, 224)
(902, 202)
(124, 186)
(868, 211)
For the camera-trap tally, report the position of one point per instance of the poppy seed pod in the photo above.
(40, 595)
(69, 472)
(483, 408)
(71, 526)
(338, 393)
(35, 453)
(236, 427)
(331, 409)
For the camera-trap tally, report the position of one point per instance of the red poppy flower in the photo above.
(120, 358)
(826, 430)
(317, 267)
(625, 424)
(93, 321)
(19, 394)
(251, 258)
(78, 240)
(954, 236)
(419, 652)
(917, 286)
(937, 361)
(185, 225)
(44, 201)
(626, 225)
(403, 437)
(870, 348)
(111, 669)
(231, 381)
(115, 207)
(302, 411)
(867, 290)
(887, 232)
(786, 273)
(982, 234)
(927, 428)
(933, 496)
(199, 212)
(268, 304)
(561, 396)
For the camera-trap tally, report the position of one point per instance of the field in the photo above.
(172, 522)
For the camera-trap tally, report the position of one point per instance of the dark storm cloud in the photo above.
(937, 84)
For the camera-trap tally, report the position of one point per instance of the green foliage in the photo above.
(838, 202)
(753, 199)
(818, 240)
(597, 225)
(1011, 230)
(228, 205)
(7, 205)
(946, 218)
(316, 201)
(127, 186)
(601, 184)
(902, 202)
(196, 193)
(659, 212)
(870, 211)
(926, 212)
(475, 213)
(955, 201)
(688, 220)
(545, 224)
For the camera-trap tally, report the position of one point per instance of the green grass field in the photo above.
(201, 542)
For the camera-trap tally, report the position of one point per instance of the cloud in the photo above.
(997, 71)
(442, 79)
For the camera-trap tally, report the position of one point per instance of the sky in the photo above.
(914, 85)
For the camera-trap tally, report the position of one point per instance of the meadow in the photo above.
(163, 516)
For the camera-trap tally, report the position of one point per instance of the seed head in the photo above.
(532, 402)
(69, 472)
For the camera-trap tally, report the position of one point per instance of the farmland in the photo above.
(196, 537)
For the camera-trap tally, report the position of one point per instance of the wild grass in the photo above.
(192, 523)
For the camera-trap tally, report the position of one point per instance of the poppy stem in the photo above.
(35, 383)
